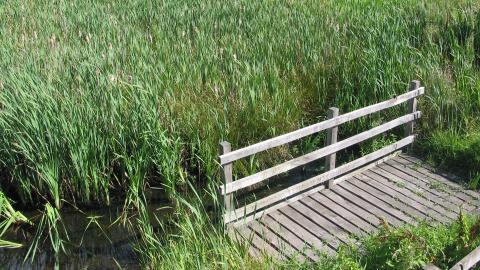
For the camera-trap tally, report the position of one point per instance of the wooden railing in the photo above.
(467, 262)
(324, 180)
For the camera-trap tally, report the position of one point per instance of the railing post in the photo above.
(332, 134)
(224, 148)
(411, 108)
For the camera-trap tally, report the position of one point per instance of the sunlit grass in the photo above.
(99, 100)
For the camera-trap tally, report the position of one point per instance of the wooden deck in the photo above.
(400, 190)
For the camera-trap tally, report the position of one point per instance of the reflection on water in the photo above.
(95, 240)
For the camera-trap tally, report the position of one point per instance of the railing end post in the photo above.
(332, 136)
(227, 177)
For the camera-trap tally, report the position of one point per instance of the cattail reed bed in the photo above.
(103, 98)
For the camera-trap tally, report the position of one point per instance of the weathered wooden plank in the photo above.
(308, 215)
(274, 207)
(380, 204)
(341, 211)
(300, 133)
(317, 154)
(315, 240)
(397, 200)
(367, 206)
(423, 174)
(244, 217)
(318, 244)
(296, 242)
(274, 240)
(317, 180)
(452, 179)
(467, 195)
(258, 243)
(434, 185)
(359, 212)
(428, 186)
(331, 216)
(425, 205)
(468, 261)
(419, 188)
(399, 209)
(316, 224)
(430, 267)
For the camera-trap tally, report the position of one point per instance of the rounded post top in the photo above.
(225, 147)
(332, 112)
(414, 84)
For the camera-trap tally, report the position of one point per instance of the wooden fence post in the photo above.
(224, 148)
(332, 134)
(411, 108)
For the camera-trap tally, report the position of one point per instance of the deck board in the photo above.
(390, 198)
(431, 187)
(437, 202)
(403, 194)
(342, 212)
(366, 205)
(401, 190)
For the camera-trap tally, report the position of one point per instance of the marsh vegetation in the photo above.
(101, 101)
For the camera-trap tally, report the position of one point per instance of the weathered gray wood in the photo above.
(274, 240)
(359, 212)
(296, 242)
(314, 181)
(300, 133)
(331, 216)
(315, 240)
(227, 178)
(234, 234)
(367, 206)
(258, 243)
(327, 231)
(407, 196)
(247, 218)
(332, 135)
(404, 204)
(468, 261)
(434, 185)
(438, 175)
(339, 210)
(445, 200)
(471, 196)
(394, 210)
(413, 191)
(431, 185)
(317, 154)
(430, 267)
(411, 107)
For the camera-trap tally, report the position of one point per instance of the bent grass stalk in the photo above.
(106, 98)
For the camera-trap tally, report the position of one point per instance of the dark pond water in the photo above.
(98, 245)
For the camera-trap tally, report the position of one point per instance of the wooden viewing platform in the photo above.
(345, 203)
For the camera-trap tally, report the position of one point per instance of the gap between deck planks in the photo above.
(402, 190)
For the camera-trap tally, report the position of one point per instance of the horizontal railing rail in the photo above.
(315, 128)
(468, 262)
(258, 208)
